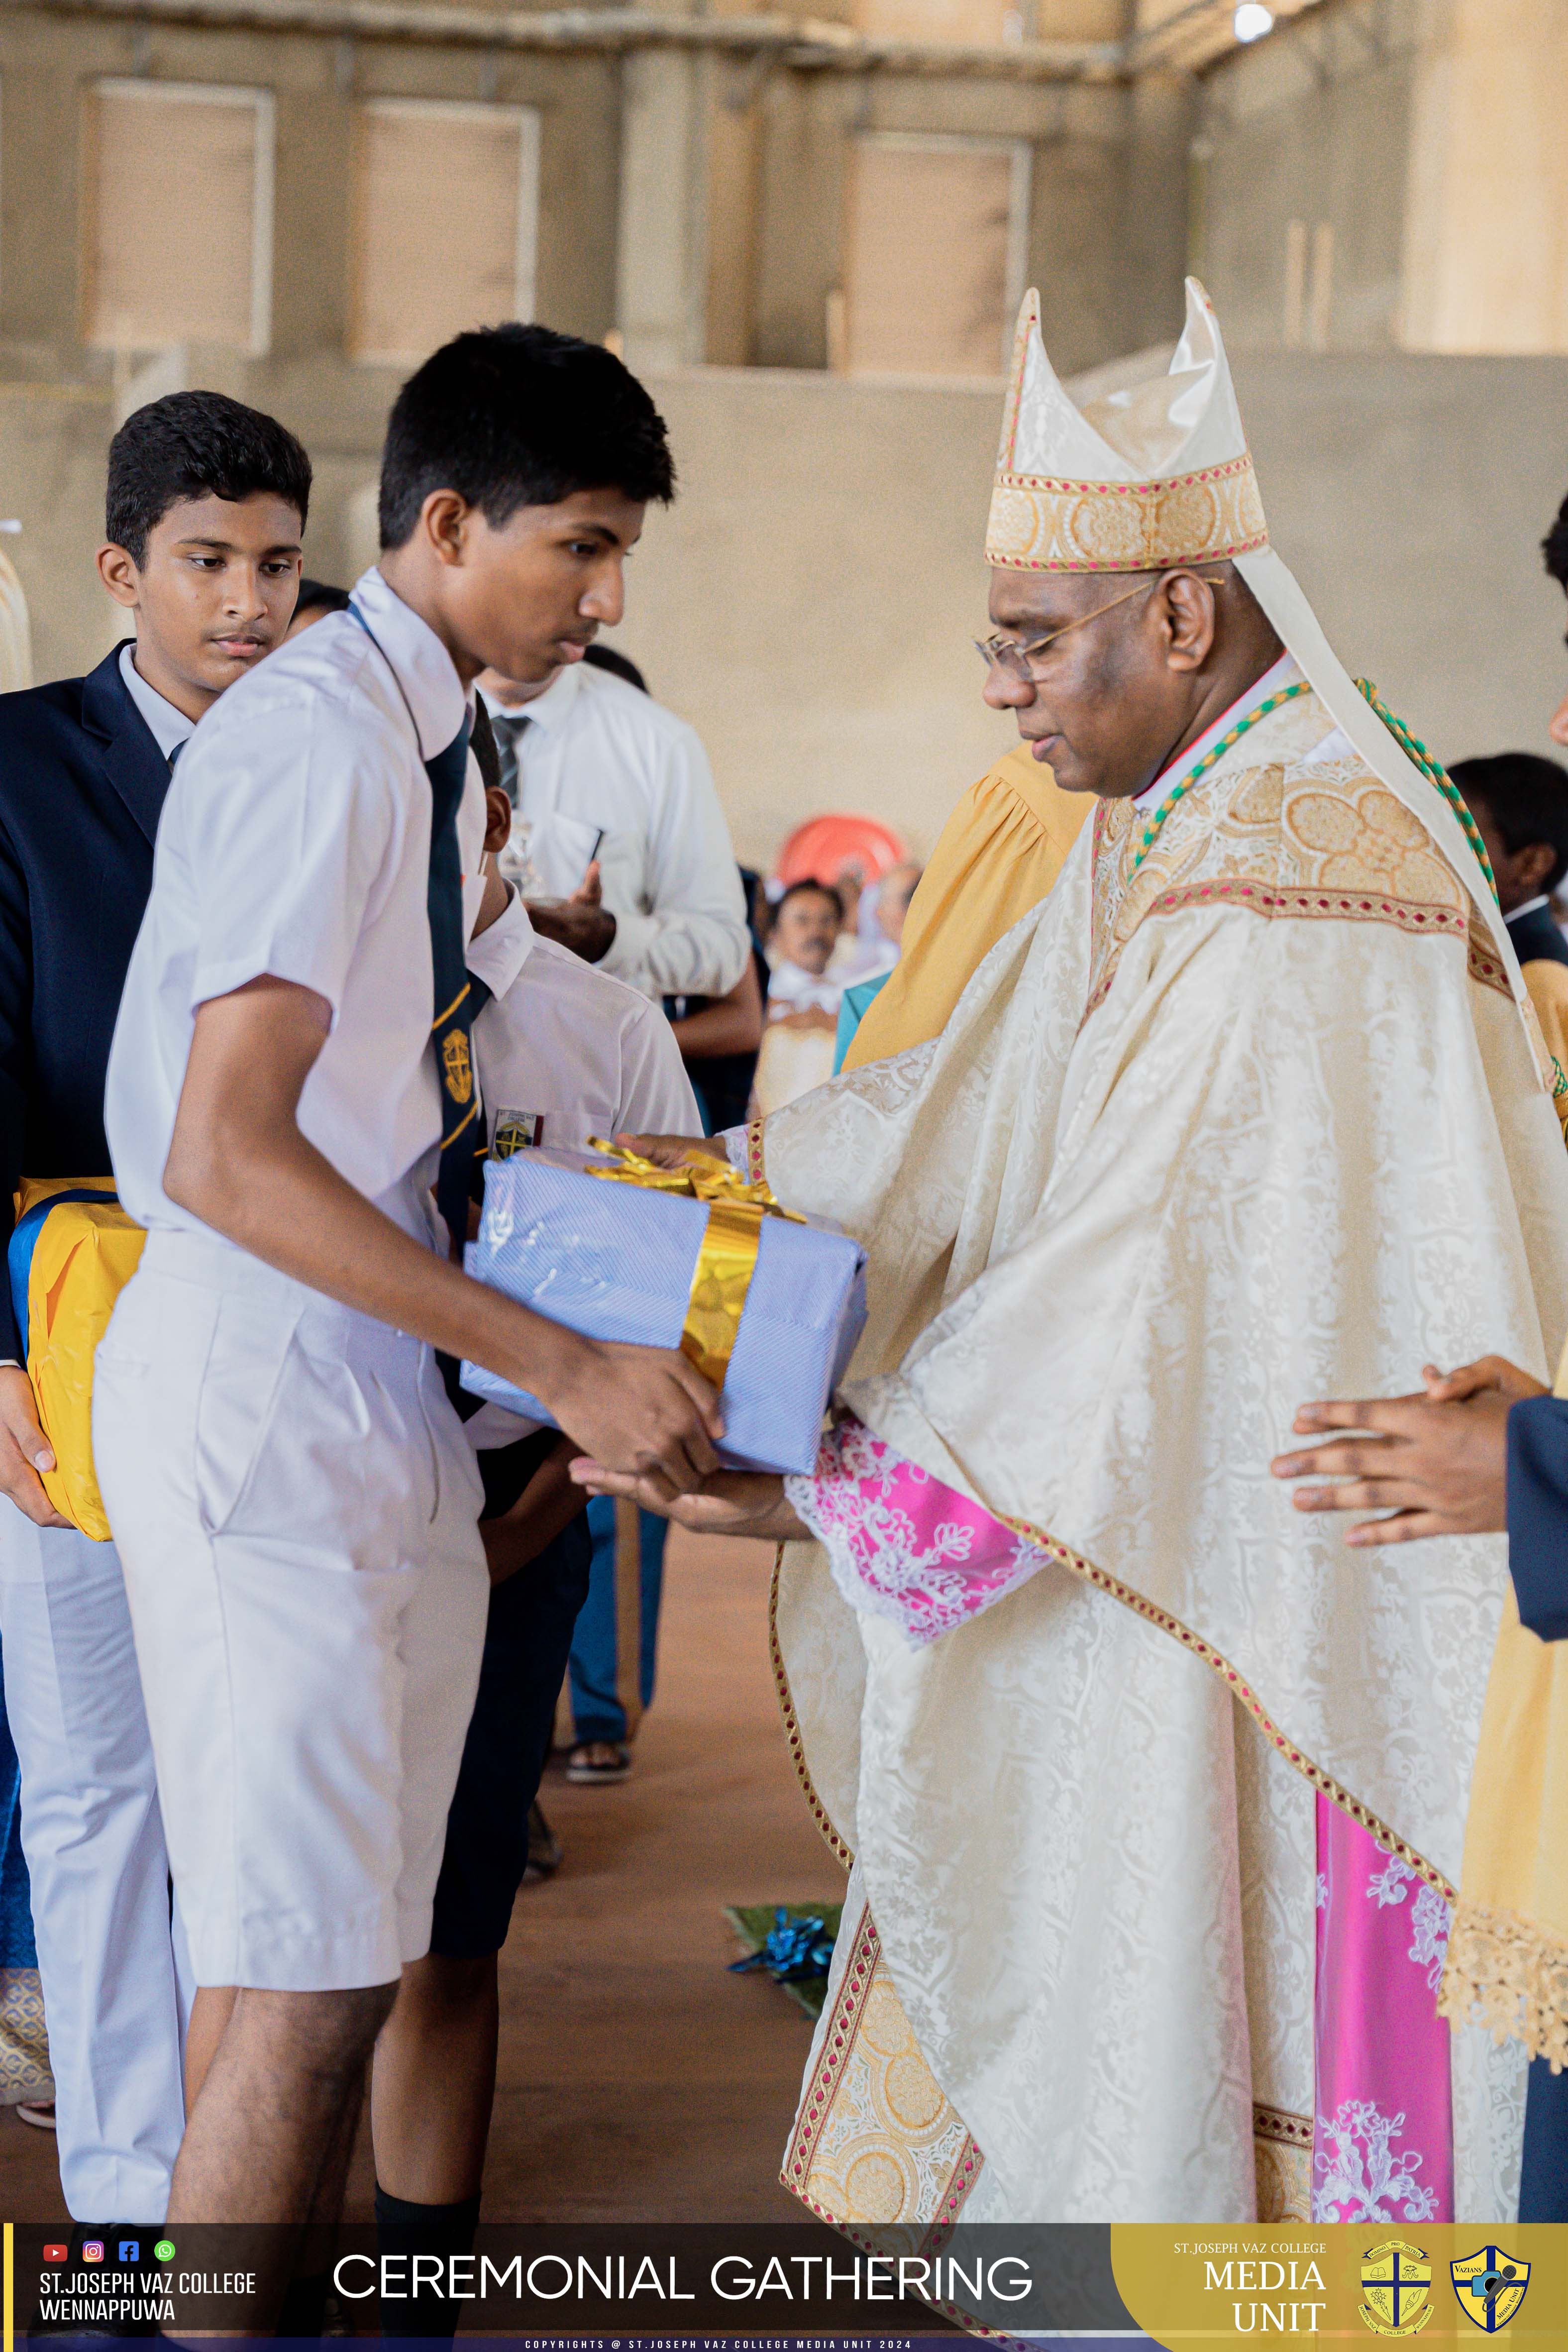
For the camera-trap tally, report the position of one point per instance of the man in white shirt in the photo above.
(621, 849)
(564, 1053)
(601, 776)
(205, 508)
(294, 1499)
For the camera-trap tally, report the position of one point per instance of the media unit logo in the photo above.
(1491, 2286)
(1395, 2288)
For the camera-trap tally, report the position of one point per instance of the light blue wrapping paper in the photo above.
(615, 1262)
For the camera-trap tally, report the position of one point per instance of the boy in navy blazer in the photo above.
(205, 511)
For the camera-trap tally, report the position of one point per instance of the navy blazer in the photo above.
(81, 785)
(1536, 938)
(1538, 1514)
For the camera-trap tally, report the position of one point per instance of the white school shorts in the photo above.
(296, 1508)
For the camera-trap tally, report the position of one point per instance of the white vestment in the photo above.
(1250, 1118)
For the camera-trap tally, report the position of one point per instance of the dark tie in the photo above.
(175, 753)
(511, 727)
(458, 995)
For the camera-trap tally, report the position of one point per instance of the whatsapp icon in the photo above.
(163, 2251)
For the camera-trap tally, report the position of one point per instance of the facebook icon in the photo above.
(130, 2249)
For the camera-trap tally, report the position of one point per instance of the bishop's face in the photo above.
(1106, 704)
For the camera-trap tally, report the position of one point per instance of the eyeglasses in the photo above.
(1018, 661)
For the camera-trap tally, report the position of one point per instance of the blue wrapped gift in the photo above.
(617, 1260)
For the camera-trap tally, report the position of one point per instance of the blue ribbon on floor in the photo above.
(795, 1949)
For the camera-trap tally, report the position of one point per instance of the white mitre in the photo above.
(1159, 476)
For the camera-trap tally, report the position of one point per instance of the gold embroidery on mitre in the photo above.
(454, 1061)
(1040, 523)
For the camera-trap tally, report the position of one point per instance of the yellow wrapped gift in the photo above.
(71, 1253)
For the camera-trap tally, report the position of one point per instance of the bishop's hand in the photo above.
(673, 1150)
(725, 1503)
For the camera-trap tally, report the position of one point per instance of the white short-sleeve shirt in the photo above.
(566, 1050)
(606, 771)
(565, 1053)
(295, 841)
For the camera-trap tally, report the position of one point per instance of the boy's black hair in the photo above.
(1554, 547)
(1527, 800)
(619, 664)
(818, 890)
(196, 445)
(321, 596)
(519, 416)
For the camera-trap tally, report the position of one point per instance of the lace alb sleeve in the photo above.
(900, 1543)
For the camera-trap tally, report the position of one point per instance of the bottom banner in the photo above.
(795, 2286)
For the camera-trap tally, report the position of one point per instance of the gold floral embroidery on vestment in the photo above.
(1279, 838)
(1039, 522)
(877, 2143)
(1486, 966)
(24, 2038)
(1282, 2163)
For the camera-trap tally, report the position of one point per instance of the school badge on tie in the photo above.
(455, 1062)
(1395, 2289)
(1491, 2286)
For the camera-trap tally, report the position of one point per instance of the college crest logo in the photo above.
(1491, 2286)
(517, 1130)
(456, 1062)
(1395, 2289)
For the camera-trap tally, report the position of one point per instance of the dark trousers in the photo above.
(1543, 2185)
(614, 1651)
(526, 1644)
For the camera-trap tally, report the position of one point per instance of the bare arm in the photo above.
(240, 1163)
(582, 922)
(730, 1503)
(730, 1024)
(549, 1502)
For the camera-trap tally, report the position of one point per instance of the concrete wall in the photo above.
(44, 62)
(695, 203)
(1487, 223)
(809, 602)
(1416, 146)
(1310, 126)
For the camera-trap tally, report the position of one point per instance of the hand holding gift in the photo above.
(765, 1307)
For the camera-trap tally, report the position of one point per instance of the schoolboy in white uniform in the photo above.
(294, 1499)
(564, 1053)
(562, 1047)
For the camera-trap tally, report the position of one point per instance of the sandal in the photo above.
(594, 1763)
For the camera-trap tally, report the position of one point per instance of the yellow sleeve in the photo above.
(1000, 851)
(1547, 981)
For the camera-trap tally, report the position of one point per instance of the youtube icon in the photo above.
(56, 2254)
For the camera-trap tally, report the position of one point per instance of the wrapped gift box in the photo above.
(617, 1260)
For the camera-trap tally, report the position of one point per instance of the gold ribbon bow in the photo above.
(727, 1259)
